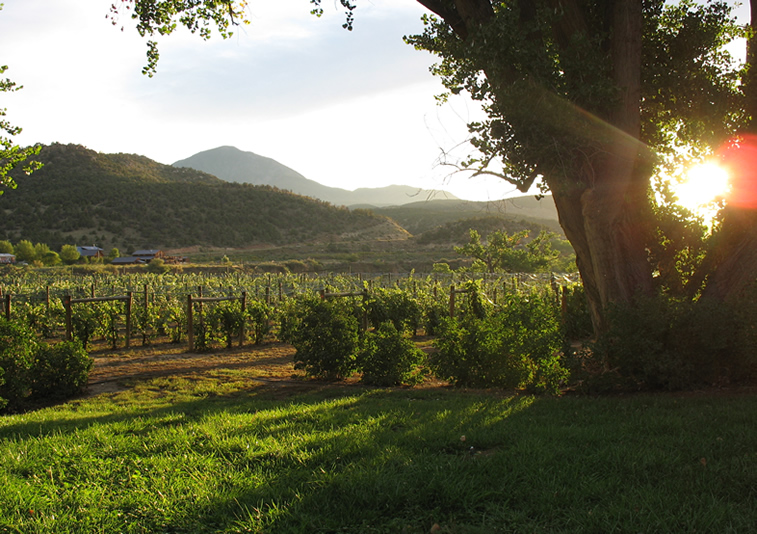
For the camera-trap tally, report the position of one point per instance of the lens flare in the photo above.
(739, 158)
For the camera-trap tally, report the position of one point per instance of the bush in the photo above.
(397, 306)
(433, 315)
(389, 359)
(85, 322)
(577, 321)
(517, 347)
(17, 349)
(60, 370)
(228, 318)
(259, 314)
(663, 342)
(325, 334)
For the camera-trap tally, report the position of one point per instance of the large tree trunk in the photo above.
(600, 207)
(605, 223)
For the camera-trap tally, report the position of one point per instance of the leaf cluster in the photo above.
(546, 83)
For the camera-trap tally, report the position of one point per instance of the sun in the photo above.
(703, 184)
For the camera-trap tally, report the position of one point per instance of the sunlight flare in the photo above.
(703, 184)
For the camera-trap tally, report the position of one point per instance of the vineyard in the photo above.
(489, 330)
(160, 305)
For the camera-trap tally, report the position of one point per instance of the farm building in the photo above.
(7, 258)
(90, 252)
(149, 254)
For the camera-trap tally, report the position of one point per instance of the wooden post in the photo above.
(8, 306)
(452, 301)
(190, 326)
(128, 317)
(280, 291)
(93, 290)
(146, 301)
(268, 293)
(67, 304)
(47, 297)
(244, 307)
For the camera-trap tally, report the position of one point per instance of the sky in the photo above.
(346, 109)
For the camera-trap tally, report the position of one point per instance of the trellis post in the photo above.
(452, 301)
(67, 304)
(128, 317)
(190, 326)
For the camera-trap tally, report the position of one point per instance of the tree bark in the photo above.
(602, 207)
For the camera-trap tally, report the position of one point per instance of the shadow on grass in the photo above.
(356, 459)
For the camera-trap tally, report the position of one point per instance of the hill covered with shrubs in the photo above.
(129, 201)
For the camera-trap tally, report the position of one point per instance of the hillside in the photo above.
(420, 217)
(130, 201)
(234, 165)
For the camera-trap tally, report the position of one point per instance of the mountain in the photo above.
(420, 217)
(129, 201)
(233, 165)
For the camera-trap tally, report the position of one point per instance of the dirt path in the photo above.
(272, 363)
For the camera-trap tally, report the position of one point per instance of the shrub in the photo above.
(397, 306)
(662, 342)
(17, 349)
(325, 334)
(84, 323)
(259, 314)
(433, 314)
(389, 359)
(146, 322)
(157, 266)
(228, 317)
(517, 347)
(577, 321)
(60, 370)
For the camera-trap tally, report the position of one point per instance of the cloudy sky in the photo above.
(347, 109)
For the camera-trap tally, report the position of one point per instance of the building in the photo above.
(90, 252)
(7, 258)
(148, 255)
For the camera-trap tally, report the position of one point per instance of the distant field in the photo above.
(220, 450)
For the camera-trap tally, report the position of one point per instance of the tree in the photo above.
(113, 254)
(592, 98)
(40, 250)
(50, 258)
(511, 253)
(6, 247)
(11, 155)
(69, 254)
(25, 251)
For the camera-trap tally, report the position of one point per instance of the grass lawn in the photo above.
(221, 455)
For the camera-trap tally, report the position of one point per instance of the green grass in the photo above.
(222, 456)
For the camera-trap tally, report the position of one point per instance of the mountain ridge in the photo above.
(128, 201)
(234, 165)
